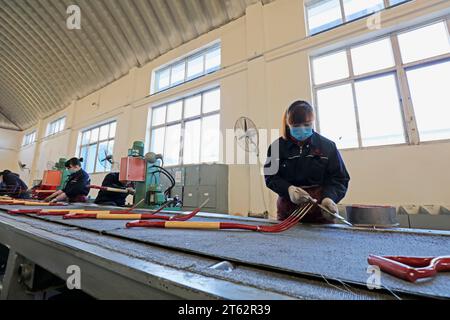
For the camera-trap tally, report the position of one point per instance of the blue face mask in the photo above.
(301, 133)
(72, 171)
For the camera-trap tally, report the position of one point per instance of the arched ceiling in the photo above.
(44, 65)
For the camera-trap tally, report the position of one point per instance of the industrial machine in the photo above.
(145, 171)
(52, 180)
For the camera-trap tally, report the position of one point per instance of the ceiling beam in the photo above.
(2, 114)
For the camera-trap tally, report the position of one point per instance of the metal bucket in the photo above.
(372, 216)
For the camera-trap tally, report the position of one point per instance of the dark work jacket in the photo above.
(316, 163)
(77, 184)
(13, 186)
(112, 198)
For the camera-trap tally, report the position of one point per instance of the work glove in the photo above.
(298, 195)
(330, 205)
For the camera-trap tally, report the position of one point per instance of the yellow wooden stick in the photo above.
(192, 225)
(108, 216)
(59, 210)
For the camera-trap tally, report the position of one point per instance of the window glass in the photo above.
(355, 9)
(192, 106)
(337, 118)
(211, 101)
(379, 111)
(210, 139)
(157, 140)
(162, 79)
(424, 43)
(172, 145)
(191, 148)
(104, 132)
(94, 147)
(373, 56)
(195, 66)
(174, 111)
(90, 160)
(324, 15)
(330, 67)
(430, 95)
(158, 115)
(178, 73)
(212, 60)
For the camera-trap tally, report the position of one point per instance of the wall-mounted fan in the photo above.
(107, 160)
(23, 166)
(246, 134)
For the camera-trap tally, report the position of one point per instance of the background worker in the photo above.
(308, 165)
(77, 186)
(11, 185)
(109, 198)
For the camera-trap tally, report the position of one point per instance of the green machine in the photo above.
(146, 172)
(53, 180)
(61, 166)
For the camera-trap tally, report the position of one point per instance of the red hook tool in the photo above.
(411, 268)
(292, 220)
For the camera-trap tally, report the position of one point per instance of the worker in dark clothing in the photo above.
(11, 185)
(303, 163)
(110, 198)
(77, 186)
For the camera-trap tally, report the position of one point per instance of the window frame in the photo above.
(169, 66)
(26, 142)
(182, 122)
(54, 122)
(81, 145)
(386, 4)
(399, 69)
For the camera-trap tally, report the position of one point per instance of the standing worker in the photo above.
(11, 185)
(77, 186)
(307, 164)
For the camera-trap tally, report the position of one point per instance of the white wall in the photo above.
(265, 66)
(9, 142)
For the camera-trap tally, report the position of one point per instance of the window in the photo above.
(56, 126)
(379, 111)
(326, 14)
(191, 67)
(187, 130)
(29, 138)
(357, 9)
(395, 2)
(330, 67)
(330, 113)
(371, 57)
(424, 43)
(96, 144)
(429, 86)
(358, 97)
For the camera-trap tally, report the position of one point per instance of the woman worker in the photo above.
(77, 186)
(11, 185)
(303, 163)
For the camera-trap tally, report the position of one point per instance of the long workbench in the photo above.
(305, 262)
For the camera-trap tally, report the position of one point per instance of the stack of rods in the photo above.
(171, 222)
(292, 220)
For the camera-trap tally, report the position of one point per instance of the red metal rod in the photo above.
(411, 268)
(30, 211)
(53, 213)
